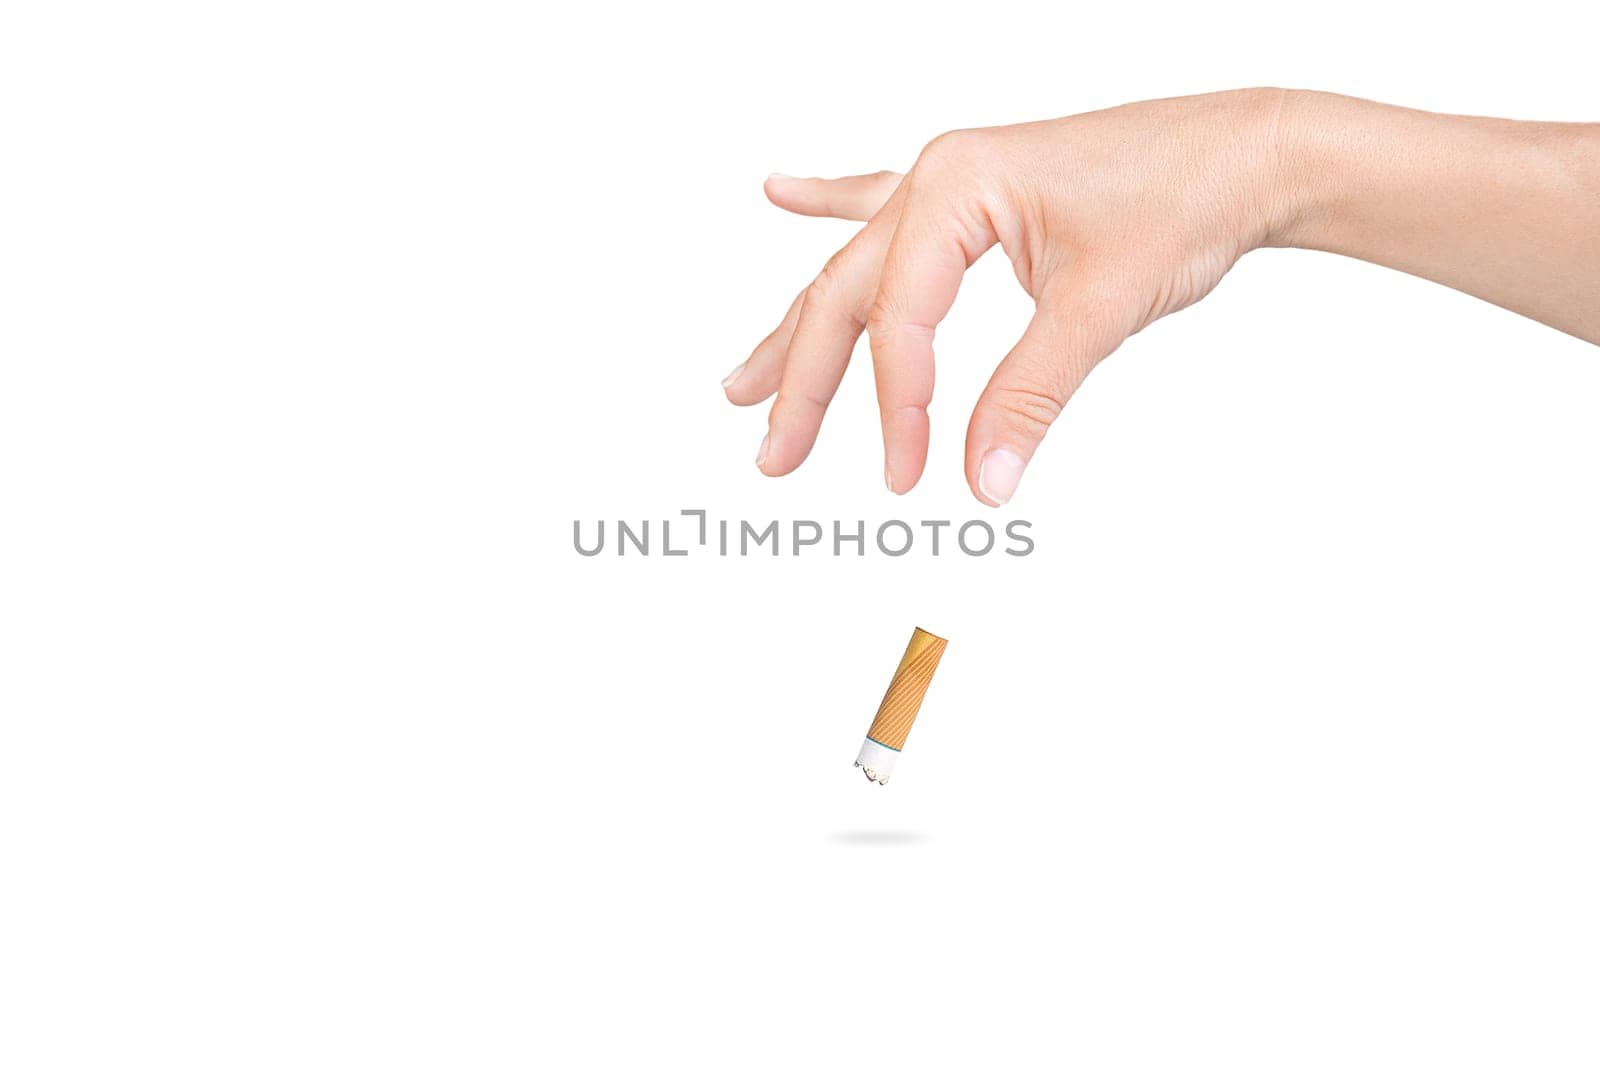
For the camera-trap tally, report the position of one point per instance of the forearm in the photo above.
(1507, 211)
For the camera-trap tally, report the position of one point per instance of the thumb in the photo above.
(1070, 333)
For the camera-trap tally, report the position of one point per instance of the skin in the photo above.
(1116, 218)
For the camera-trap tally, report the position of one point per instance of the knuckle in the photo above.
(795, 405)
(1031, 407)
(883, 321)
(832, 294)
(824, 289)
(879, 319)
(946, 149)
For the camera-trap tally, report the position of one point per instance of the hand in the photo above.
(1111, 220)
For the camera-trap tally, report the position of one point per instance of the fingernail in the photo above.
(888, 476)
(733, 376)
(999, 473)
(779, 176)
(761, 456)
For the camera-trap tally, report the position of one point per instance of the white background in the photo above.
(321, 323)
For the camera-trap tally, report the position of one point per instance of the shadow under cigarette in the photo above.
(879, 838)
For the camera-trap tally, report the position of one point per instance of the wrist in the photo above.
(1287, 190)
(1311, 147)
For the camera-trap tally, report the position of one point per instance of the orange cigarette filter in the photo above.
(892, 725)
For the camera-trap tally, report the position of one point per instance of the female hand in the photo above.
(1116, 218)
(1111, 220)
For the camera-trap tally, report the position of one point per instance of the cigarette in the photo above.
(887, 734)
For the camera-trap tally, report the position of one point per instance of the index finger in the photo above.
(858, 196)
